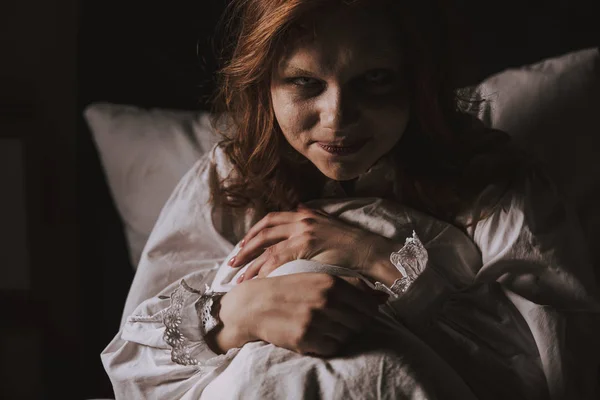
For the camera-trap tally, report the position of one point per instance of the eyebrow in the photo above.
(385, 58)
(290, 69)
(296, 70)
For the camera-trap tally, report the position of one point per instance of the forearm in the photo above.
(381, 269)
(426, 290)
(225, 336)
(140, 361)
(219, 341)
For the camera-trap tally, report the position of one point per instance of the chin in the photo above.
(340, 175)
(340, 171)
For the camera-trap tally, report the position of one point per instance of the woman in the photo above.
(327, 100)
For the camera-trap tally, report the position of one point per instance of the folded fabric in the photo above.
(504, 309)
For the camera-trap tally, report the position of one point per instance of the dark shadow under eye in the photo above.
(378, 77)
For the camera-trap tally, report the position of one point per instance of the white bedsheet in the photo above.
(508, 309)
(385, 362)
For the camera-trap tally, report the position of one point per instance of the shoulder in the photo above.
(533, 192)
(528, 187)
(220, 161)
(215, 161)
(531, 210)
(201, 179)
(535, 233)
(187, 219)
(194, 193)
(504, 205)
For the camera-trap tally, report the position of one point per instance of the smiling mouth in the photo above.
(342, 149)
(343, 144)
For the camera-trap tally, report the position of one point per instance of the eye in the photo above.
(305, 87)
(305, 82)
(378, 77)
(377, 82)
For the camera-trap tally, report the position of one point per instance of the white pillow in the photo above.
(552, 106)
(145, 152)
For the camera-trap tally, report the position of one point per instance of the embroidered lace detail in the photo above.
(381, 287)
(204, 309)
(180, 345)
(410, 260)
(146, 318)
(401, 285)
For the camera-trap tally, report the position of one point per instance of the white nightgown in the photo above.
(508, 311)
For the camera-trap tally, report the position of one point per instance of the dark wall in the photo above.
(133, 53)
(136, 52)
(40, 336)
(511, 33)
(145, 53)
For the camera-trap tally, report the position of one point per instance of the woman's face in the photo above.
(343, 85)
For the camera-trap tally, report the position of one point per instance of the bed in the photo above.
(160, 57)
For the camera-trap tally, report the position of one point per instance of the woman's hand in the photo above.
(307, 234)
(306, 312)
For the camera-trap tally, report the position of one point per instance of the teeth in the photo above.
(340, 147)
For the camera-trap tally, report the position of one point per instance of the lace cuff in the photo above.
(183, 330)
(410, 260)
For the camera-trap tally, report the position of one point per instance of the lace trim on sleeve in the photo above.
(183, 350)
(180, 345)
(410, 260)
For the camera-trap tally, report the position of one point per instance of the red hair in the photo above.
(444, 158)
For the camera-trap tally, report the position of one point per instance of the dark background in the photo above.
(59, 56)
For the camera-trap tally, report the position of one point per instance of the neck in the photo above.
(348, 186)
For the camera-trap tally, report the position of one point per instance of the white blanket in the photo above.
(507, 310)
(385, 362)
(388, 361)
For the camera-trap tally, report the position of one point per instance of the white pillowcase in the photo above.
(552, 106)
(145, 152)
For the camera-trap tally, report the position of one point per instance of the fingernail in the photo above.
(231, 261)
(240, 279)
(242, 243)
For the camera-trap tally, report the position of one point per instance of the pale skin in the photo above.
(338, 87)
(314, 235)
(309, 313)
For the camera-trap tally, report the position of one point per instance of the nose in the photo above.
(339, 110)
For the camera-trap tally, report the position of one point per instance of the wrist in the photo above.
(386, 274)
(229, 334)
(381, 268)
(216, 341)
(221, 338)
